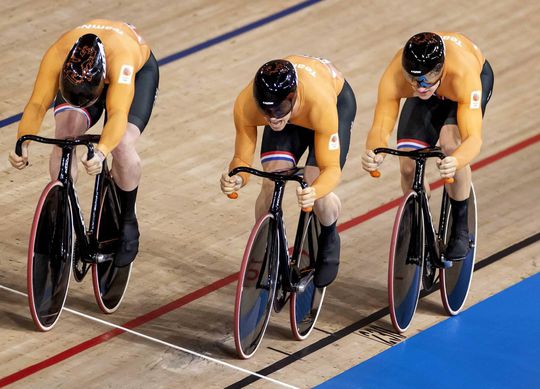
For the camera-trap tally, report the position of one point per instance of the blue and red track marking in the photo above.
(493, 344)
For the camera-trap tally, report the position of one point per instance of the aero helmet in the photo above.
(83, 75)
(274, 88)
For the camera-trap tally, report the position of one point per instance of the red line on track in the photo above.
(113, 333)
(229, 279)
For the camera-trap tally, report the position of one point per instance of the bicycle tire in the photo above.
(456, 280)
(256, 287)
(109, 282)
(305, 306)
(404, 274)
(50, 256)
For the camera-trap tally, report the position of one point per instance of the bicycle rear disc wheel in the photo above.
(110, 282)
(256, 287)
(456, 280)
(50, 256)
(404, 273)
(305, 306)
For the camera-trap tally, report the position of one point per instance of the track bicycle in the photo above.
(417, 249)
(271, 274)
(60, 243)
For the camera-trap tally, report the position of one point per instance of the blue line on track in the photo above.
(209, 43)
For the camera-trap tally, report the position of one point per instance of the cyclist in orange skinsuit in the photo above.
(99, 65)
(447, 83)
(303, 102)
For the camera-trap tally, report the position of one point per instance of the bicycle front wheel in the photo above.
(456, 280)
(305, 306)
(405, 262)
(110, 282)
(256, 287)
(50, 256)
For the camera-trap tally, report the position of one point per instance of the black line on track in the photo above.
(279, 351)
(334, 337)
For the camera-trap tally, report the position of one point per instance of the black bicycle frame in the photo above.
(422, 211)
(276, 211)
(87, 240)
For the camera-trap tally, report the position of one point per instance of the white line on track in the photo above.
(152, 339)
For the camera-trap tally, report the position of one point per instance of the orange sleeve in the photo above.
(469, 118)
(328, 162)
(45, 89)
(119, 98)
(246, 139)
(387, 107)
(327, 151)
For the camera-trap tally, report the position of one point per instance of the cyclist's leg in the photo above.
(459, 191)
(328, 208)
(126, 166)
(415, 131)
(70, 122)
(280, 150)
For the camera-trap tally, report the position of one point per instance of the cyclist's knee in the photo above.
(406, 168)
(328, 208)
(125, 152)
(449, 138)
(70, 123)
(267, 187)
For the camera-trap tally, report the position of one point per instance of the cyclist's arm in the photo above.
(245, 143)
(45, 89)
(469, 118)
(387, 108)
(327, 153)
(119, 98)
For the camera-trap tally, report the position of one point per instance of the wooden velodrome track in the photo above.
(182, 287)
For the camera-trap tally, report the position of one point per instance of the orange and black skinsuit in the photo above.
(128, 59)
(131, 82)
(322, 122)
(461, 98)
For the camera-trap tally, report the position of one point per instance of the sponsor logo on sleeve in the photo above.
(476, 99)
(126, 74)
(333, 143)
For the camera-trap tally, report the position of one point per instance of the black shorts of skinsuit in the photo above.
(146, 86)
(421, 121)
(290, 143)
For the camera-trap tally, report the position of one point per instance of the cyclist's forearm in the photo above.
(112, 133)
(467, 151)
(31, 120)
(327, 181)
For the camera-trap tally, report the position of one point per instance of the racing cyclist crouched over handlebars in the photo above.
(447, 84)
(100, 65)
(303, 103)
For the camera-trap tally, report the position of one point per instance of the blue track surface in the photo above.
(494, 344)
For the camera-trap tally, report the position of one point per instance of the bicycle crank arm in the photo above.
(101, 258)
(303, 283)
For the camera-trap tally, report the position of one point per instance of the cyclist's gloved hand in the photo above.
(230, 184)
(94, 165)
(22, 161)
(306, 197)
(371, 161)
(447, 167)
